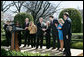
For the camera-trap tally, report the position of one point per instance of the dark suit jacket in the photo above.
(39, 29)
(26, 25)
(6, 28)
(19, 32)
(67, 28)
(47, 31)
(54, 30)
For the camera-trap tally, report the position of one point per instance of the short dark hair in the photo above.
(8, 21)
(51, 16)
(66, 13)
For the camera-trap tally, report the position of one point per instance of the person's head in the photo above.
(27, 20)
(60, 20)
(47, 23)
(51, 18)
(31, 23)
(8, 22)
(65, 15)
(40, 19)
(17, 23)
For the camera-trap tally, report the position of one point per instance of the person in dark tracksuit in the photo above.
(7, 33)
(67, 34)
(39, 33)
(54, 32)
(26, 34)
(19, 33)
(47, 35)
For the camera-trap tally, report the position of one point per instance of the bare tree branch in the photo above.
(40, 9)
(5, 7)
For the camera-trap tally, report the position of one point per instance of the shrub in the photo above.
(77, 45)
(20, 17)
(18, 53)
(2, 29)
(3, 52)
(75, 17)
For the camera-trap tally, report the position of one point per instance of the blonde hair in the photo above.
(61, 20)
(32, 23)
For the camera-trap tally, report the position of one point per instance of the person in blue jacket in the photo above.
(60, 33)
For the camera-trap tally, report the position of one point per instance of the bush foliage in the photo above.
(18, 53)
(75, 16)
(20, 17)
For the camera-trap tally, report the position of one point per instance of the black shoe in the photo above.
(24, 46)
(40, 47)
(36, 48)
(64, 52)
(53, 48)
(32, 46)
(7, 45)
(28, 45)
(47, 48)
(60, 50)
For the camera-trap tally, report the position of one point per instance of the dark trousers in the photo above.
(54, 41)
(39, 41)
(19, 39)
(58, 42)
(33, 39)
(27, 38)
(8, 38)
(47, 41)
(67, 46)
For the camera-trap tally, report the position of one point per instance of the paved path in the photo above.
(74, 52)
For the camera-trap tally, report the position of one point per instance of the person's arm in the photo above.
(5, 27)
(23, 26)
(35, 28)
(67, 29)
(29, 28)
(39, 27)
(59, 28)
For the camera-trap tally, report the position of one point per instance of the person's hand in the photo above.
(59, 28)
(44, 33)
(55, 24)
(62, 21)
(26, 28)
(61, 24)
(66, 36)
(43, 29)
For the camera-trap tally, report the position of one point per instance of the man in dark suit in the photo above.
(54, 32)
(26, 34)
(67, 34)
(39, 33)
(7, 33)
(47, 35)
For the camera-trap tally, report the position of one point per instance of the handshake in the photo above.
(43, 29)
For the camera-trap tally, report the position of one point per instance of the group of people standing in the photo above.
(60, 30)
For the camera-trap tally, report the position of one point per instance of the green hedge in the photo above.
(77, 45)
(76, 18)
(21, 17)
(2, 29)
(18, 53)
(75, 40)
